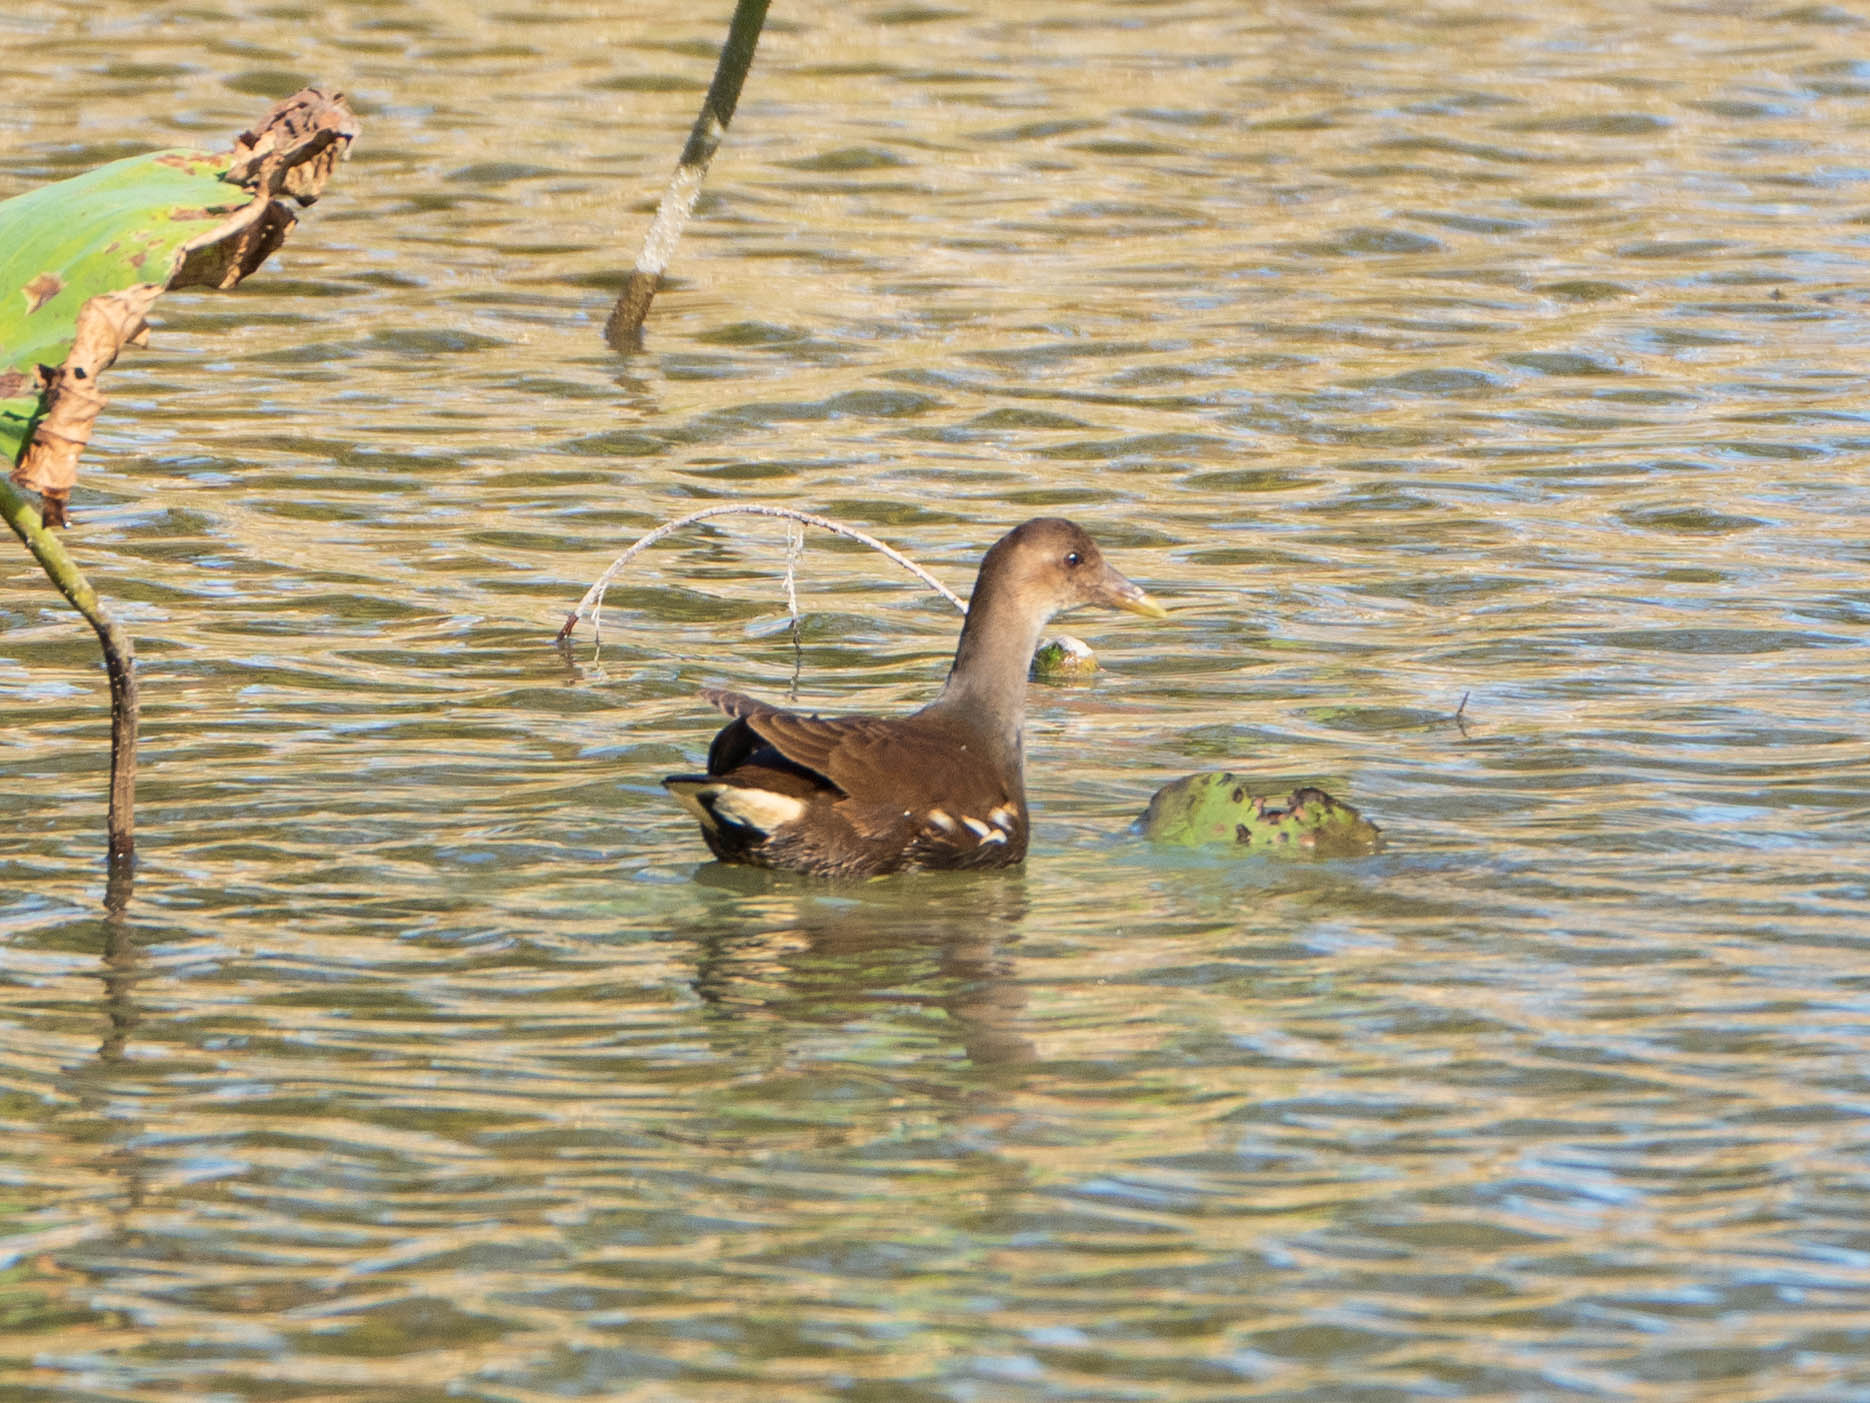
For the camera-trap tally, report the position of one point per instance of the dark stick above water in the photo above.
(678, 201)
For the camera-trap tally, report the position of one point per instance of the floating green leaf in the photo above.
(1221, 808)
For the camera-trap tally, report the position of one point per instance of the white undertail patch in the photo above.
(756, 808)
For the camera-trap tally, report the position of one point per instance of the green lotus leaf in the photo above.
(1223, 809)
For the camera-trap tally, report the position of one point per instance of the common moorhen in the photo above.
(859, 796)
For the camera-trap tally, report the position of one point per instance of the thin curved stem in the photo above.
(592, 604)
(119, 662)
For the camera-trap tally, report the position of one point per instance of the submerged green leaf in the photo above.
(1221, 808)
(1064, 659)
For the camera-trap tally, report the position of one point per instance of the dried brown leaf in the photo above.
(42, 290)
(291, 151)
(18, 384)
(236, 246)
(72, 400)
(295, 146)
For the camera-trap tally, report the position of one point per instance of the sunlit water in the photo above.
(1411, 354)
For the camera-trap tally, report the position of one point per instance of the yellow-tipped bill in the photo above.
(1119, 593)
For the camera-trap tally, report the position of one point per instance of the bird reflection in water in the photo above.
(812, 955)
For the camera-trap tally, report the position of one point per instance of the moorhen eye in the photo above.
(1074, 560)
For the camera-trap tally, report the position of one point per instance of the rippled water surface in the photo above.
(1410, 352)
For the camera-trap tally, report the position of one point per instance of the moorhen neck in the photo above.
(859, 796)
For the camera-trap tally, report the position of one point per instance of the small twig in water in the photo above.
(592, 605)
(1460, 714)
(795, 547)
